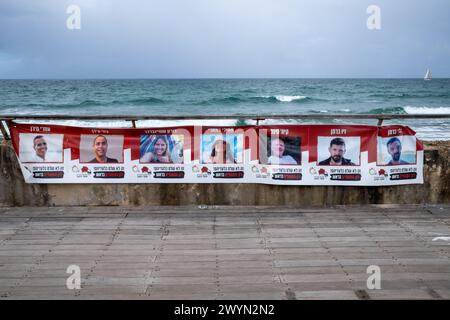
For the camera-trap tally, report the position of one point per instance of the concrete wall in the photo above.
(15, 192)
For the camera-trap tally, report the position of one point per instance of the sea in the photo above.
(232, 97)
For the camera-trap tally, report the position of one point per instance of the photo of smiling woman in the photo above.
(217, 148)
(161, 149)
(221, 153)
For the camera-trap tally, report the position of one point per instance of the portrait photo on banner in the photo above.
(222, 148)
(396, 150)
(338, 151)
(101, 148)
(280, 150)
(161, 148)
(35, 148)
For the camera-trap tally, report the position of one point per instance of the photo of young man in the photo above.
(40, 148)
(100, 148)
(394, 148)
(337, 150)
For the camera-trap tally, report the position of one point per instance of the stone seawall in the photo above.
(15, 192)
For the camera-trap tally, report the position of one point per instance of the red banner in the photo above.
(271, 154)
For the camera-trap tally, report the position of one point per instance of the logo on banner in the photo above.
(201, 172)
(84, 170)
(320, 174)
(379, 174)
(261, 172)
(142, 172)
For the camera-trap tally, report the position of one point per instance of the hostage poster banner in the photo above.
(353, 155)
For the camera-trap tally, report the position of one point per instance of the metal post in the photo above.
(4, 132)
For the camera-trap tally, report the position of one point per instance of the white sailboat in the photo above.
(427, 75)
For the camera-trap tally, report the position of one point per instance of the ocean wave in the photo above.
(410, 110)
(255, 100)
(94, 103)
(214, 101)
(289, 98)
(391, 110)
(390, 95)
(426, 110)
(139, 101)
(318, 111)
(84, 103)
(417, 95)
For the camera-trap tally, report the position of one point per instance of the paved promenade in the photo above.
(225, 252)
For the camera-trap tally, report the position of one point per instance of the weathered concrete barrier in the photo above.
(15, 192)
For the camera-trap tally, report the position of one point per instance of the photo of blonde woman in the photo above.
(161, 149)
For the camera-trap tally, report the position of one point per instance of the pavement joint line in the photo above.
(102, 252)
(152, 274)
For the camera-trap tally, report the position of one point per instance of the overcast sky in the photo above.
(223, 38)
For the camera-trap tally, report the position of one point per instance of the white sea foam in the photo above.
(289, 98)
(441, 238)
(427, 110)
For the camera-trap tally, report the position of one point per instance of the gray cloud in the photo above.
(223, 38)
